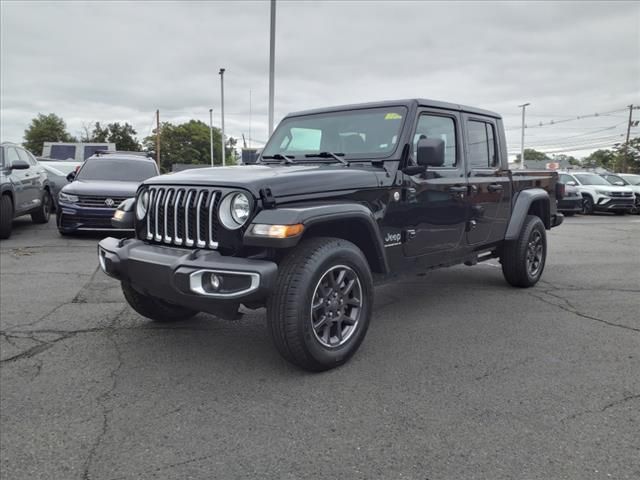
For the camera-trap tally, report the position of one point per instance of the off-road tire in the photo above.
(154, 308)
(42, 214)
(516, 267)
(6, 216)
(289, 308)
(587, 205)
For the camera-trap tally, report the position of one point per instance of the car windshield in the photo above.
(60, 168)
(633, 179)
(591, 179)
(120, 170)
(353, 134)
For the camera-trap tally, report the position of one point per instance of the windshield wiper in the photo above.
(279, 156)
(335, 156)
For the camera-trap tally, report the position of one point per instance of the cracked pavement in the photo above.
(460, 376)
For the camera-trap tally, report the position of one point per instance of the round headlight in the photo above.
(142, 204)
(240, 208)
(234, 210)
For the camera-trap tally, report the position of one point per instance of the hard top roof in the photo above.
(422, 102)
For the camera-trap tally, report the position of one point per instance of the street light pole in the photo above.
(272, 53)
(523, 107)
(211, 133)
(222, 113)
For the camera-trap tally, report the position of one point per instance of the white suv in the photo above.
(629, 180)
(598, 194)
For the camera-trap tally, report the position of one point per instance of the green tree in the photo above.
(628, 156)
(189, 143)
(45, 128)
(531, 154)
(122, 135)
(601, 158)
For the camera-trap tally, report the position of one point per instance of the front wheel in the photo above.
(154, 308)
(587, 206)
(6, 216)
(523, 259)
(44, 210)
(319, 313)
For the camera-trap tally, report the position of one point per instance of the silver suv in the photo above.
(24, 188)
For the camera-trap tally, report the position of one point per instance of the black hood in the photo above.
(102, 188)
(283, 180)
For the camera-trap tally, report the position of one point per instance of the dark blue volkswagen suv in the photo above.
(102, 183)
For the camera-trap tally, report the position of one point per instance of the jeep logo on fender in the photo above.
(392, 239)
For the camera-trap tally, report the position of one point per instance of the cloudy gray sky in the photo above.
(120, 61)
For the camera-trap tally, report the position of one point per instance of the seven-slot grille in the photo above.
(183, 216)
(99, 201)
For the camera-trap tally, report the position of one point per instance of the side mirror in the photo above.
(430, 152)
(19, 165)
(619, 183)
(571, 182)
(71, 177)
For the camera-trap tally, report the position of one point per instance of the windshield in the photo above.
(367, 133)
(633, 179)
(591, 179)
(117, 170)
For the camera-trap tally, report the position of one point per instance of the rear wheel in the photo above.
(44, 210)
(6, 216)
(523, 259)
(154, 308)
(319, 313)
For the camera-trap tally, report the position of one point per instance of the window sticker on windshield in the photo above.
(392, 116)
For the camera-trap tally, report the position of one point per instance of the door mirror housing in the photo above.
(71, 177)
(572, 183)
(19, 165)
(430, 152)
(619, 183)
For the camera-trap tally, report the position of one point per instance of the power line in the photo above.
(573, 119)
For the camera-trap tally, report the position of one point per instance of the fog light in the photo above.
(214, 281)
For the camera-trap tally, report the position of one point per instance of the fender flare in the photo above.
(310, 215)
(520, 210)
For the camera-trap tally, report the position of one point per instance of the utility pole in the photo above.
(249, 119)
(272, 53)
(626, 143)
(523, 107)
(211, 133)
(222, 114)
(158, 137)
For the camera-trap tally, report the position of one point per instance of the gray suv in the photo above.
(24, 188)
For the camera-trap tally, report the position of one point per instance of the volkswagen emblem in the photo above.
(109, 202)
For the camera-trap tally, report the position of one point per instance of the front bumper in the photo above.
(71, 218)
(181, 276)
(607, 204)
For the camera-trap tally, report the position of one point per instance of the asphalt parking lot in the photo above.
(460, 376)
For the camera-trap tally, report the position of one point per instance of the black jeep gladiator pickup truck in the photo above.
(340, 199)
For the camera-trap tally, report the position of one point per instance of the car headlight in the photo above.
(234, 210)
(68, 198)
(142, 204)
(606, 193)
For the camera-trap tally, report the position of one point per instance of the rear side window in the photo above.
(482, 144)
(437, 126)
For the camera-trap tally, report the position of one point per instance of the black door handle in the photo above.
(458, 189)
(495, 187)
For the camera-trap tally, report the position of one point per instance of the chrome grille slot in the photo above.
(185, 216)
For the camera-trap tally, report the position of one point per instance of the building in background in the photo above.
(78, 152)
